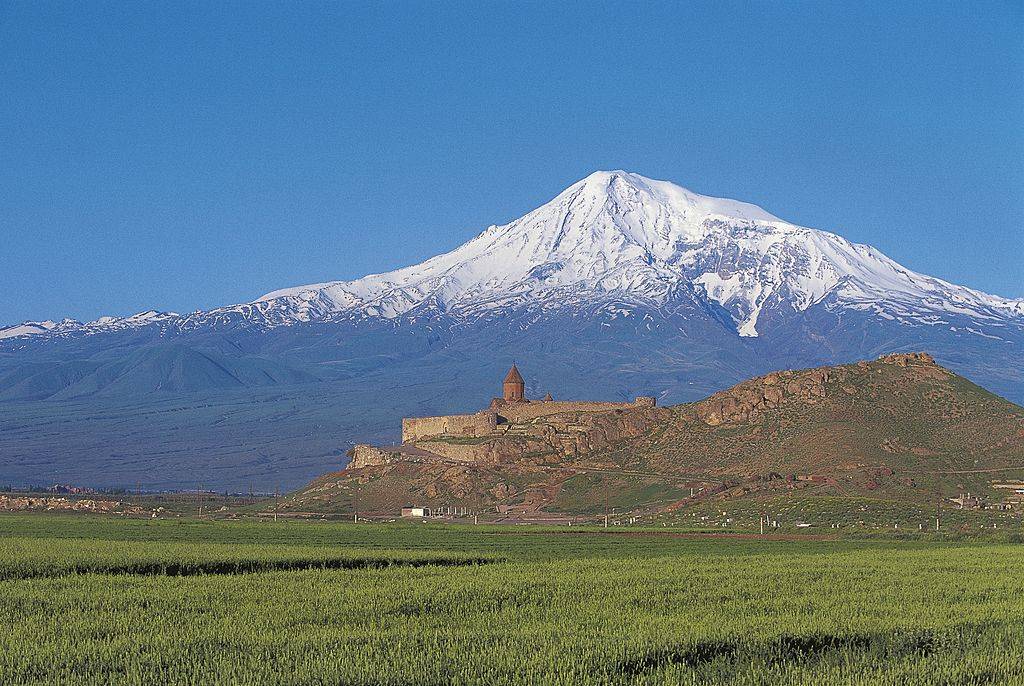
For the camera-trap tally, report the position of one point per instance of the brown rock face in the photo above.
(502, 491)
(744, 402)
(368, 455)
(907, 359)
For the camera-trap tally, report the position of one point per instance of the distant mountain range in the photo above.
(619, 286)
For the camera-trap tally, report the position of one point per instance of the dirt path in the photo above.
(993, 470)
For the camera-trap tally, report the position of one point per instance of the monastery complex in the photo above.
(511, 427)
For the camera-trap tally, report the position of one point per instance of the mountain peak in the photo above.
(618, 185)
(607, 181)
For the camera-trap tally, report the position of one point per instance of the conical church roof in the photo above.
(513, 376)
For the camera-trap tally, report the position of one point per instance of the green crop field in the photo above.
(107, 601)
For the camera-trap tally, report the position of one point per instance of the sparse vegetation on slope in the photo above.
(901, 412)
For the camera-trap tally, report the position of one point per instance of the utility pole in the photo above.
(938, 504)
(199, 499)
(607, 500)
(277, 496)
(355, 505)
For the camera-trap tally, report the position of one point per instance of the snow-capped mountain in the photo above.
(624, 234)
(619, 286)
(618, 235)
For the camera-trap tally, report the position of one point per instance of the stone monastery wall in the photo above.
(523, 412)
(479, 424)
(485, 422)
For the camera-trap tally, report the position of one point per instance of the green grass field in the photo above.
(93, 600)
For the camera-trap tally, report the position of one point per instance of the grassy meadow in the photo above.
(107, 601)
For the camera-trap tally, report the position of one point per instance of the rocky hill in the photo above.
(903, 416)
(899, 428)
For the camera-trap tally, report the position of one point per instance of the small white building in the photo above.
(412, 511)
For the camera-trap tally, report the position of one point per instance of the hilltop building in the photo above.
(511, 424)
(513, 407)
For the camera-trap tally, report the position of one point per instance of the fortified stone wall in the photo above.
(419, 428)
(571, 434)
(368, 456)
(580, 428)
(523, 412)
(459, 452)
(489, 452)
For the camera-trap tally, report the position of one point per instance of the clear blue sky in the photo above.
(180, 156)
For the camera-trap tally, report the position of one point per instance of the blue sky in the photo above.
(192, 155)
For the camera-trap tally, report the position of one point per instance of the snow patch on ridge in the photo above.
(27, 329)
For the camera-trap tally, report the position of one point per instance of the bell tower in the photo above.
(513, 387)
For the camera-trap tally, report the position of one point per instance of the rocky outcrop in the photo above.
(368, 456)
(907, 359)
(578, 434)
(748, 400)
(19, 503)
(744, 402)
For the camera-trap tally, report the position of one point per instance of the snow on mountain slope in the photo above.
(618, 235)
(624, 234)
(26, 329)
(101, 324)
